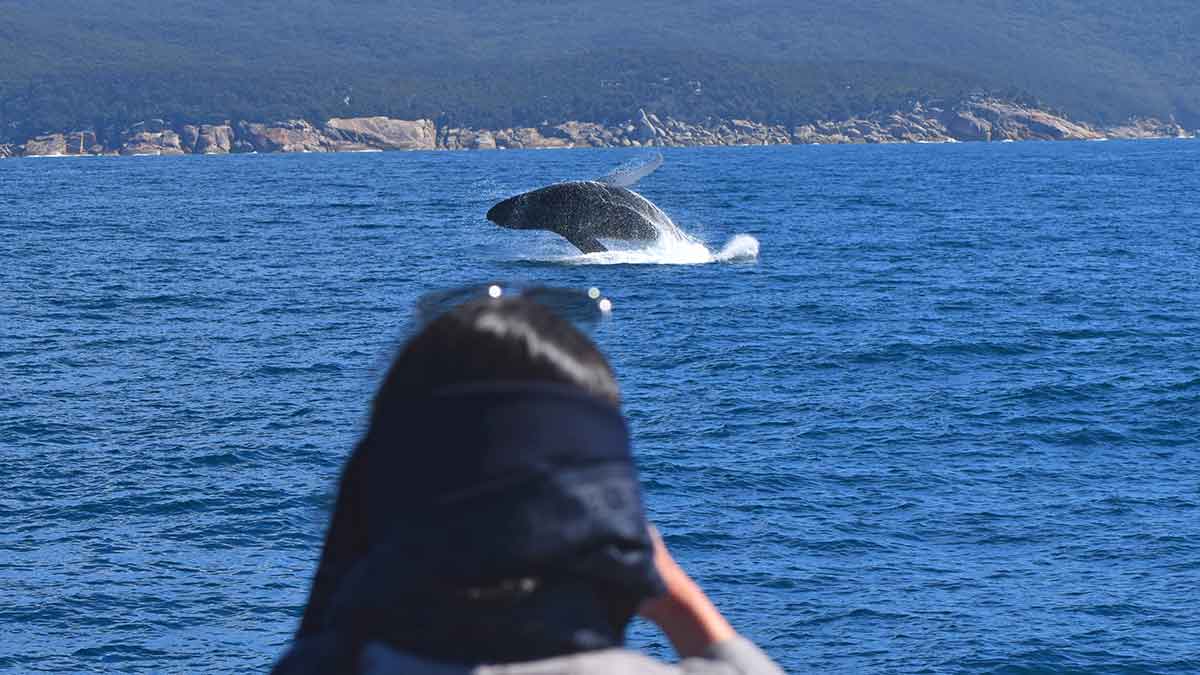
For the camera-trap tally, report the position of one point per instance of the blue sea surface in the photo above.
(944, 422)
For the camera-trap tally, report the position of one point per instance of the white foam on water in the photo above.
(742, 248)
(672, 248)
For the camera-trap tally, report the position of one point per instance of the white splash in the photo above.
(742, 248)
(672, 248)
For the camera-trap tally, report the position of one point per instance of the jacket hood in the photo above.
(498, 523)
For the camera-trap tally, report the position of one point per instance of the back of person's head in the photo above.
(492, 512)
(496, 340)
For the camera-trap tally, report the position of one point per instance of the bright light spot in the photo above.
(606, 305)
(594, 293)
(495, 291)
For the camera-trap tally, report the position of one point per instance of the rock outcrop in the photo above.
(963, 125)
(381, 133)
(975, 119)
(570, 134)
(1004, 120)
(287, 136)
(84, 143)
(647, 131)
(207, 139)
(338, 135)
(586, 134)
(672, 132)
(47, 145)
(154, 137)
(980, 119)
(530, 137)
(455, 138)
(64, 144)
(1148, 129)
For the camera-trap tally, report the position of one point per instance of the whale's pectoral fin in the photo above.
(586, 243)
(628, 174)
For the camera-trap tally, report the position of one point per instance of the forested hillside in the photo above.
(79, 63)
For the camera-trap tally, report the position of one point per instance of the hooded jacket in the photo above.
(490, 523)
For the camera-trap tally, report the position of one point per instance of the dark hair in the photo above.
(509, 339)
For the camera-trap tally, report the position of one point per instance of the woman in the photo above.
(492, 515)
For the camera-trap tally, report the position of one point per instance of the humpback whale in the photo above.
(583, 212)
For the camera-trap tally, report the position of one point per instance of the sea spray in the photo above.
(673, 250)
(742, 248)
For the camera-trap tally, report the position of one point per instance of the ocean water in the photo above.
(936, 412)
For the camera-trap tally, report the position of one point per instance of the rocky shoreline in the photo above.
(974, 120)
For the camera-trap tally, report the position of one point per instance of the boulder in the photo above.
(286, 136)
(453, 138)
(466, 139)
(527, 137)
(46, 145)
(503, 138)
(779, 135)
(382, 133)
(188, 135)
(83, 143)
(535, 138)
(584, 133)
(743, 132)
(1015, 121)
(450, 138)
(58, 145)
(965, 126)
(483, 141)
(555, 137)
(645, 132)
(805, 133)
(150, 138)
(1145, 129)
(214, 139)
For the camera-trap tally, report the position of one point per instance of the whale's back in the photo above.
(582, 212)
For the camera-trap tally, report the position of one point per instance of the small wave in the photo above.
(296, 370)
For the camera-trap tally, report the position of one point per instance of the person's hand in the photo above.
(684, 612)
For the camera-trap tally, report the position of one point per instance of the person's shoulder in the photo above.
(736, 655)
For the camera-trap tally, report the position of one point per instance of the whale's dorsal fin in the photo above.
(628, 174)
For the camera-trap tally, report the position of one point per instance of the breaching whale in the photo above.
(584, 212)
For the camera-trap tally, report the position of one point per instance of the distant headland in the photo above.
(979, 119)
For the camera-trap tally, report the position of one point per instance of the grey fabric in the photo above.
(743, 656)
(735, 656)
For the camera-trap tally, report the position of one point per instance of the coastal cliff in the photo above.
(973, 120)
